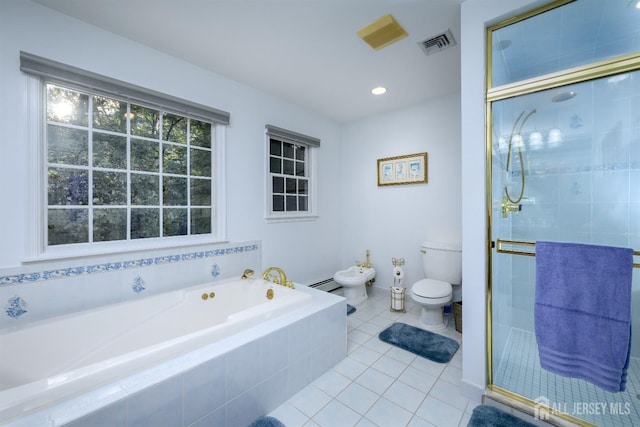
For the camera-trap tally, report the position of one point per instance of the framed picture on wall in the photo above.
(398, 170)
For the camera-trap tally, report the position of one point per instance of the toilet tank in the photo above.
(442, 261)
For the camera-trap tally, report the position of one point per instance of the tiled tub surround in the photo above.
(110, 342)
(230, 381)
(42, 290)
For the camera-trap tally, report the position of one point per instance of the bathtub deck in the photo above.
(225, 383)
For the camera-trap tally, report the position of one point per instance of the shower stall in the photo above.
(563, 164)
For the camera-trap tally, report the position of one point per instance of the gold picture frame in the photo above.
(400, 170)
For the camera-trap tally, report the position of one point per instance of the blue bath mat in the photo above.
(418, 341)
(350, 309)
(488, 416)
(266, 421)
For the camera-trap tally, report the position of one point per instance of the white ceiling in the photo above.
(305, 51)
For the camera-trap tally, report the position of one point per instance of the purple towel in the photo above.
(583, 311)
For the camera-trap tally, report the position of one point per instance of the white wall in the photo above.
(393, 221)
(476, 15)
(38, 30)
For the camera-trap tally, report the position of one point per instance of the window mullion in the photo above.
(129, 187)
(189, 177)
(161, 178)
(90, 188)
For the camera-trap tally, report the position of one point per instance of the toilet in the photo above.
(442, 264)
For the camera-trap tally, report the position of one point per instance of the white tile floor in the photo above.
(378, 384)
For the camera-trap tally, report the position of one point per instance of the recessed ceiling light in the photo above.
(378, 90)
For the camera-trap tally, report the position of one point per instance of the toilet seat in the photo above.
(432, 288)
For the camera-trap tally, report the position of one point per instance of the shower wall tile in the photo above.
(574, 188)
(634, 193)
(611, 186)
(575, 217)
(523, 319)
(610, 218)
(634, 213)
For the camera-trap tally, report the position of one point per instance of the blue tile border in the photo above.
(21, 278)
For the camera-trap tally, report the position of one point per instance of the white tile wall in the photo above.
(56, 288)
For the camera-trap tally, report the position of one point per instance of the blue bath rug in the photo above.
(350, 309)
(488, 416)
(418, 341)
(266, 421)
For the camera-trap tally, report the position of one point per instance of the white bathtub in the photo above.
(60, 358)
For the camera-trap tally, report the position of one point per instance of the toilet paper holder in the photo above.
(397, 292)
(397, 299)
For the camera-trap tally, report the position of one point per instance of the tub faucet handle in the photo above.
(280, 279)
(247, 273)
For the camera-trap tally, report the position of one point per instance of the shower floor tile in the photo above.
(520, 372)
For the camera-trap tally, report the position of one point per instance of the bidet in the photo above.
(353, 281)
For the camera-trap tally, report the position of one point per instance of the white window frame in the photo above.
(311, 145)
(36, 248)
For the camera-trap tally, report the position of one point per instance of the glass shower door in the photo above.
(565, 166)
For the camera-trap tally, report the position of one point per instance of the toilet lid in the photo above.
(431, 288)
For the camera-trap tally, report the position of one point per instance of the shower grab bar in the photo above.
(501, 242)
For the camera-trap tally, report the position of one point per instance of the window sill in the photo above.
(120, 247)
(277, 219)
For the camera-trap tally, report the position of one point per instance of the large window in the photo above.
(119, 171)
(290, 174)
(120, 164)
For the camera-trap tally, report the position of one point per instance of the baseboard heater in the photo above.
(326, 285)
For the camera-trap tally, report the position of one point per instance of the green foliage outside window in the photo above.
(121, 171)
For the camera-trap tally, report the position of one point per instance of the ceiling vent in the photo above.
(382, 32)
(437, 43)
